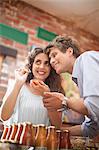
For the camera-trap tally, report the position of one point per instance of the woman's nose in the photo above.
(42, 65)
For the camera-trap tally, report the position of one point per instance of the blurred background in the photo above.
(26, 23)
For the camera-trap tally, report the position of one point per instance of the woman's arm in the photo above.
(9, 100)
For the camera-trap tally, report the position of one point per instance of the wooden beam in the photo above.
(1, 61)
(6, 51)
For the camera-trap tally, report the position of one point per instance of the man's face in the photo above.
(59, 60)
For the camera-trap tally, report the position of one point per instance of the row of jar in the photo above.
(38, 136)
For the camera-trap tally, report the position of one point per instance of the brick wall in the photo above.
(27, 18)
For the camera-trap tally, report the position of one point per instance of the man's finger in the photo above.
(47, 100)
(48, 94)
(47, 105)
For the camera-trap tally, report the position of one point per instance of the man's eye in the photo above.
(54, 55)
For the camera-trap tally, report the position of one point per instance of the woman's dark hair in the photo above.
(53, 80)
(63, 43)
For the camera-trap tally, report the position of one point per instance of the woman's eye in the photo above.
(47, 63)
(37, 62)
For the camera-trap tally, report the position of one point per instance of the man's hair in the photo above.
(63, 43)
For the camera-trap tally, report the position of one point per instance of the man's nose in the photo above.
(52, 60)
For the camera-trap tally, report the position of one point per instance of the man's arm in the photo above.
(77, 105)
(74, 130)
(55, 118)
(53, 100)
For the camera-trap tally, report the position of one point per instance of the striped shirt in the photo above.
(29, 107)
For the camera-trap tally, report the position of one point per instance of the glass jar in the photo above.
(52, 142)
(26, 136)
(65, 140)
(40, 139)
(13, 133)
(4, 134)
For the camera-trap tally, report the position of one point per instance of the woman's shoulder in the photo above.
(24, 88)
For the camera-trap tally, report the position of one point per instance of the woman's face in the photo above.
(41, 67)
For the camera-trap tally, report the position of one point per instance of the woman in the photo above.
(24, 101)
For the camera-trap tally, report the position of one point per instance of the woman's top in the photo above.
(29, 107)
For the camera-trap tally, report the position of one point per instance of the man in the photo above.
(64, 54)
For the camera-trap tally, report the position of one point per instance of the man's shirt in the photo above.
(86, 76)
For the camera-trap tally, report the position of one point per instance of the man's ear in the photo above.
(70, 51)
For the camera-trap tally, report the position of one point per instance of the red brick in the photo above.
(36, 40)
(47, 17)
(3, 82)
(22, 17)
(27, 25)
(31, 32)
(14, 20)
(20, 46)
(30, 43)
(7, 42)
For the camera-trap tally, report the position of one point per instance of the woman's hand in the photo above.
(39, 87)
(21, 75)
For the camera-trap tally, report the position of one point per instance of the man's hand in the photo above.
(53, 100)
(39, 87)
